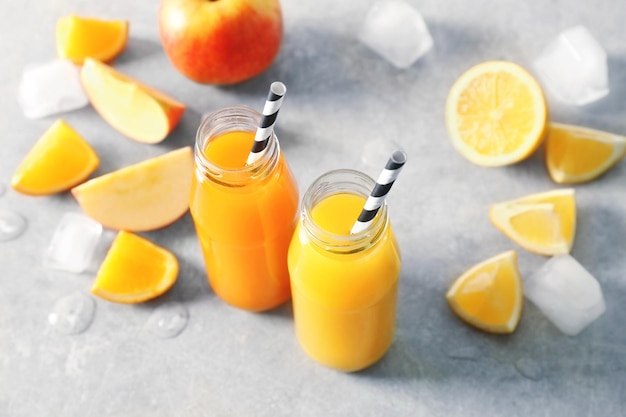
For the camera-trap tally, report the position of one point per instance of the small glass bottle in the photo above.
(344, 286)
(244, 215)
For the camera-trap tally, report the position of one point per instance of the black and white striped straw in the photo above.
(377, 197)
(268, 120)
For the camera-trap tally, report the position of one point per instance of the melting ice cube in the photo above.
(375, 152)
(73, 243)
(566, 293)
(396, 31)
(49, 88)
(574, 67)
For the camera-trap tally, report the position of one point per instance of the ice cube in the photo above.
(567, 294)
(73, 243)
(375, 152)
(396, 31)
(574, 67)
(49, 88)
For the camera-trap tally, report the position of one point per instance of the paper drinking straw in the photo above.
(377, 197)
(268, 120)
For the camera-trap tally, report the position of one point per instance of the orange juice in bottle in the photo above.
(344, 286)
(244, 214)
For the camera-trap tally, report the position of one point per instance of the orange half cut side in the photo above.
(496, 114)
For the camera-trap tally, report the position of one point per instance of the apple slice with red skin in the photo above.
(221, 41)
(145, 196)
(136, 110)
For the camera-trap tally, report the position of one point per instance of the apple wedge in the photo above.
(136, 110)
(145, 196)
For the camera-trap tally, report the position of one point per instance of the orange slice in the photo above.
(58, 161)
(80, 37)
(496, 114)
(489, 295)
(144, 196)
(140, 112)
(135, 270)
(543, 223)
(577, 154)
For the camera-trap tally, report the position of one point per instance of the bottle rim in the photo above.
(225, 120)
(336, 182)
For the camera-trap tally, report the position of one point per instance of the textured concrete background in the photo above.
(340, 96)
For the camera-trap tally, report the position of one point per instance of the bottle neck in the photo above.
(229, 119)
(343, 181)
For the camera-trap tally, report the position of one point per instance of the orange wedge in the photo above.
(577, 154)
(145, 196)
(489, 295)
(58, 161)
(79, 37)
(496, 114)
(140, 112)
(543, 223)
(135, 270)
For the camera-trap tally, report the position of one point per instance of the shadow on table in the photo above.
(284, 311)
(138, 48)
(314, 65)
(184, 134)
(192, 283)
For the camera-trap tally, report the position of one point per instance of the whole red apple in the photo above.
(220, 41)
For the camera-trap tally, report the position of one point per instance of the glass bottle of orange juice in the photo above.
(244, 214)
(344, 286)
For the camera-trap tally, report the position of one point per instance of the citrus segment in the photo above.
(489, 295)
(543, 223)
(136, 110)
(577, 154)
(144, 196)
(496, 114)
(58, 161)
(135, 270)
(79, 37)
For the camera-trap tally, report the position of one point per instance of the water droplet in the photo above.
(168, 320)
(11, 224)
(73, 313)
(529, 368)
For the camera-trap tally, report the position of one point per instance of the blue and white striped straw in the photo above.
(268, 120)
(377, 197)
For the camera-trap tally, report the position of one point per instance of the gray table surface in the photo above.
(340, 96)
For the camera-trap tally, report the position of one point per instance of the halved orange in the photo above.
(576, 154)
(496, 114)
(58, 161)
(79, 37)
(543, 223)
(489, 295)
(135, 270)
